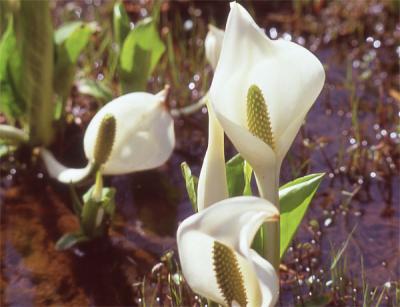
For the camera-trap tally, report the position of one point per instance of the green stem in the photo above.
(268, 187)
(13, 135)
(98, 187)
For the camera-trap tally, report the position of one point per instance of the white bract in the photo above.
(212, 186)
(144, 133)
(144, 138)
(281, 77)
(215, 254)
(213, 44)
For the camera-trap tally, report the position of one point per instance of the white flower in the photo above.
(261, 92)
(144, 138)
(144, 133)
(216, 258)
(213, 44)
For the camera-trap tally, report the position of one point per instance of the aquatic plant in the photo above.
(144, 138)
(237, 107)
(261, 93)
(133, 132)
(216, 257)
(37, 70)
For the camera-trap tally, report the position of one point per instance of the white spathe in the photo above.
(144, 136)
(213, 44)
(234, 223)
(290, 78)
(62, 173)
(212, 186)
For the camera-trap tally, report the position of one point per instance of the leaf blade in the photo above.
(294, 198)
(141, 51)
(191, 182)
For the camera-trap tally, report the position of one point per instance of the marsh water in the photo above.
(351, 134)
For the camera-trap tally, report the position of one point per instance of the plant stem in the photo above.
(36, 43)
(12, 134)
(190, 109)
(268, 187)
(98, 187)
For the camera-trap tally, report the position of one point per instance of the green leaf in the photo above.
(294, 198)
(12, 104)
(141, 51)
(6, 149)
(92, 210)
(96, 89)
(339, 254)
(35, 31)
(70, 239)
(121, 23)
(191, 184)
(63, 32)
(76, 203)
(238, 174)
(77, 41)
(248, 173)
(108, 201)
(70, 41)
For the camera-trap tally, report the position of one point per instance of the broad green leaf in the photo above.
(77, 41)
(191, 184)
(12, 104)
(238, 174)
(36, 45)
(121, 23)
(63, 32)
(96, 89)
(70, 39)
(70, 240)
(294, 198)
(141, 51)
